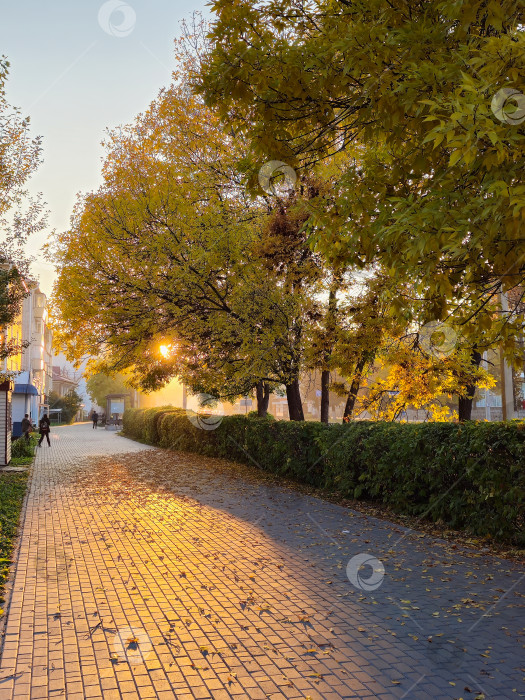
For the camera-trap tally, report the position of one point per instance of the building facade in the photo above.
(64, 370)
(34, 380)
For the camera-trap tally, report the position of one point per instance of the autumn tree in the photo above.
(99, 385)
(166, 251)
(434, 193)
(70, 404)
(252, 290)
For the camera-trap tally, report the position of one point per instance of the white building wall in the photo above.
(37, 358)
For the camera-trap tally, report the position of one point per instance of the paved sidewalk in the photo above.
(151, 574)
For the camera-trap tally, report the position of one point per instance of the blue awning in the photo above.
(25, 389)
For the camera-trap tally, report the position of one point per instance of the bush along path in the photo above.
(23, 451)
(148, 573)
(469, 476)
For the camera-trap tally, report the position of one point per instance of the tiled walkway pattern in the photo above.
(153, 574)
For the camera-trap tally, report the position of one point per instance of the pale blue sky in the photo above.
(74, 80)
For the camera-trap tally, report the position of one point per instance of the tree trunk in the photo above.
(354, 388)
(295, 405)
(263, 398)
(267, 394)
(325, 395)
(330, 324)
(465, 401)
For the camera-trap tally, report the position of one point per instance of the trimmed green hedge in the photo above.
(468, 476)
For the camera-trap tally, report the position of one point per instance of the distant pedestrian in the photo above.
(27, 426)
(44, 429)
(94, 418)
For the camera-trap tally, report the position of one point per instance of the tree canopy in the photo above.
(99, 385)
(70, 404)
(164, 253)
(324, 187)
(426, 97)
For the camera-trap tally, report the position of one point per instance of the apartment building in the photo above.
(64, 380)
(34, 380)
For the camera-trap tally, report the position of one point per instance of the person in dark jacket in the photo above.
(94, 418)
(27, 427)
(44, 429)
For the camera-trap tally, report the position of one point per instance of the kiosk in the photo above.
(115, 405)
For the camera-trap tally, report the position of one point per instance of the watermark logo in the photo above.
(132, 644)
(117, 18)
(354, 571)
(277, 178)
(508, 105)
(438, 339)
(205, 412)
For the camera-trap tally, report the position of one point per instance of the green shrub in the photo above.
(254, 414)
(22, 448)
(469, 476)
(151, 427)
(133, 423)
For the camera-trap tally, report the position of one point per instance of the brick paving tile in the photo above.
(143, 573)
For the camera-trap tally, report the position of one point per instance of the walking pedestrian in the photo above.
(27, 426)
(44, 429)
(94, 418)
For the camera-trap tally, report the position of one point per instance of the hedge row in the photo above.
(468, 476)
